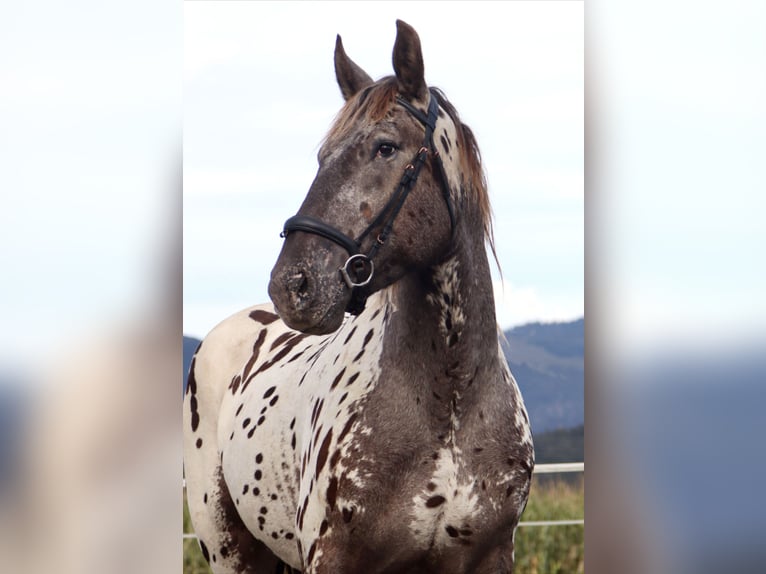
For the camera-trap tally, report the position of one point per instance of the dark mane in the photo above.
(371, 105)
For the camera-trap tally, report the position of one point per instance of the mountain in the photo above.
(547, 360)
(563, 445)
(561, 339)
(190, 347)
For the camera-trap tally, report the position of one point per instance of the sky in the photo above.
(260, 93)
(93, 101)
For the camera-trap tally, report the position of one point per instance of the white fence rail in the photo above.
(559, 467)
(551, 469)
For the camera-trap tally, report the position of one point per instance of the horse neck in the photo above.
(447, 314)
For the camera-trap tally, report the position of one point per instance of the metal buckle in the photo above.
(362, 258)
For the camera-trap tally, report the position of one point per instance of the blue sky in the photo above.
(260, 93)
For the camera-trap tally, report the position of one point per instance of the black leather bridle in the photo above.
(360, 264)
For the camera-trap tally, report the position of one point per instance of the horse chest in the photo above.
(311, 464)
(287, 427)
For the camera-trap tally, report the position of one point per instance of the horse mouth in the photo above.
(315, 306)
(328, 323)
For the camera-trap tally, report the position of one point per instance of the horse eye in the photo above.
(386, 149)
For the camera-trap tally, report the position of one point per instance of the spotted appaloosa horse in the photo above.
(393, 440)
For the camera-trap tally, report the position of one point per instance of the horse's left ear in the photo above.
(408, 62)
(351, 78)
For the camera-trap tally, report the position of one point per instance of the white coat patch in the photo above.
(446, 506)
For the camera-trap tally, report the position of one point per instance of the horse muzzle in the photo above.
(307, 299)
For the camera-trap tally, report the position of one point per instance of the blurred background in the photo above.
(91, 108)
(90, 311)
(675, 129)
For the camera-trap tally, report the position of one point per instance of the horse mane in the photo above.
(474, 178)
(371, 104)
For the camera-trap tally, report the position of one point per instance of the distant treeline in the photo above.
(564, 445)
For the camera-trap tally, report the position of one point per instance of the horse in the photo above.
(366, 421)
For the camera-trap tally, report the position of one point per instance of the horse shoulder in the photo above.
(213, 371)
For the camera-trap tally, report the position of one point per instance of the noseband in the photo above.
(360, 264)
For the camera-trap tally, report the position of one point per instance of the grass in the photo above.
(552, 549)
(539, 549)
(194, 563)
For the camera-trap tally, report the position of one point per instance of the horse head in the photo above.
(382, 202)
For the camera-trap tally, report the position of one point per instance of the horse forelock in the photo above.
(371, 105)
(365, 108)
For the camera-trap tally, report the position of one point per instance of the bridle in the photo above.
(360, 264)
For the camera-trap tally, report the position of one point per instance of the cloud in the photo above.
(518, 305)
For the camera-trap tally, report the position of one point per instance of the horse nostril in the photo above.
(298, 285)
(303, 287)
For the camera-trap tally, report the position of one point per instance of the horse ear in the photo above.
(351, 78)
(408, 62)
